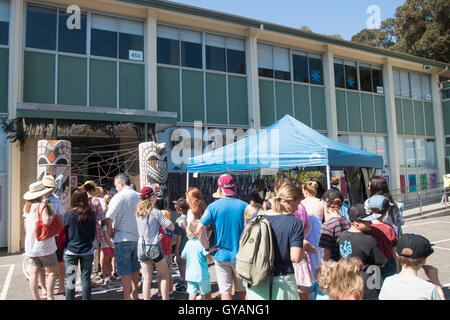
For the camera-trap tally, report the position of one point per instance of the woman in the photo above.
(379, 186)
(149, 221)
(41, 254)
(80, 224)
(288, 245)
(197, 204)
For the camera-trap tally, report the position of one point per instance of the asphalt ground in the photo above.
(14, 285)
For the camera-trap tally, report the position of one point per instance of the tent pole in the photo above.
(187, 181)
(328, 177)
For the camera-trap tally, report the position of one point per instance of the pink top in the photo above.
(302, 214)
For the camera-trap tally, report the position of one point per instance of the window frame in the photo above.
(6, 46)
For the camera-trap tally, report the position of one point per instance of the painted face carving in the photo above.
(153, 163)
(54, 160)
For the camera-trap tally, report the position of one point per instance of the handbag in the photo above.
(150, 251)
(43, 232)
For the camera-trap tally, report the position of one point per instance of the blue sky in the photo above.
(346, 17)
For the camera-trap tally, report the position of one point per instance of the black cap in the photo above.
(359, 213)
(181, 203)
(411, 245)
(331, 195)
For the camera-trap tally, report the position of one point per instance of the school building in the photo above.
(120, 72)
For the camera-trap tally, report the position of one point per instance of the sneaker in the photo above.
(171, 294)
(157, 297)
(107, 280)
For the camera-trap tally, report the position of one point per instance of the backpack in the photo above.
(255, 258)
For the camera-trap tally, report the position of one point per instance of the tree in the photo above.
(381, 38)
(305, 28)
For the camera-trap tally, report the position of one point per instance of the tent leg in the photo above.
(187, 180)
(328, 178)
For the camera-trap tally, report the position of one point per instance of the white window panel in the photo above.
(235, 44)
(350, 63)
(416, 86)
(426, 88)
(431, 154)
(104, 23)
(404, 83)
(304, 54)
(191, 36)
(281, 59)
(168, 33)
(215, 41)
(397, 85)
(369, 144)
(4, 10)
(265, 59)
(410, 153)
(401, 152)
(131, 27)
(355, 141)
(3, 152)
(421, 154)
(315, 56)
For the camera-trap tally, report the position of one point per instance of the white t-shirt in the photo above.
(33, 247)
(398, 287)
(190, 217)
(151, 231)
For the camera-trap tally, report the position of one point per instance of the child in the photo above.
(354, 243)
(251, 210)
(182, 207)
(303, 274)
(346, 282)
(412, 252)
(107, 255)
(384, 234)
(321, 287)
(197, 274)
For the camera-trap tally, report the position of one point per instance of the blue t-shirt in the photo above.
(226, 215)
(318, 295)
(196, 264)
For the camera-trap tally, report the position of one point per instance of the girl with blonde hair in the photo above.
(346, 280)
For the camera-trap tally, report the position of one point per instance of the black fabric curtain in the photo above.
(357, 179)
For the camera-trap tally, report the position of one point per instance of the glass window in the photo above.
(431, 154)
(191, 49)
(365, 78)
(355, 141)
(300, 66)
(426, 90)
(446, 94)
(215, 53)
(265, 60)
(404, 84)
(131, 40)
(351, 80)
(401, 152)
(343, 139)
(4, 21)
(71, 40)
(410, 153)
(281, 63)
(397, 84)
(3, 152)
(236, 56)
(315, 69)
(339, 75)
(416, 86)
(369, 144)
(104, 36)
(382, 149)
(377, 80)
(41, 28)
(168, 43)
(421, 155)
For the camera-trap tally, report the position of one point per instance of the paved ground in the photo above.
(435, 227)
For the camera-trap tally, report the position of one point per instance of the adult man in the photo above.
(122, 216)
(226, 215)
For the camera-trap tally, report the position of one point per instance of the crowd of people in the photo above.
(323, 249)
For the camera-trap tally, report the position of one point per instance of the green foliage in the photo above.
(297, 177)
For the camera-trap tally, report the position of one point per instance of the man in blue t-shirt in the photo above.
(226, 215)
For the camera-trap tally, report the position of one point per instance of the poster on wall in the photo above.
(402, 183)
(344, 191)
(423, 181)
(433, 180)
(412, 179)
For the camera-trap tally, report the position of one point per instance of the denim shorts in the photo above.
(126, 257)
(194, 287)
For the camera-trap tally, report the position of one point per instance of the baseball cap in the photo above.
(226, 184)
(332, 196)
(146, 192)
(378, 201)
(181, 203)
(414, 246)
(359, 213)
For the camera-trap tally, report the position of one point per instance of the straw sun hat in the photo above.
(36, 190)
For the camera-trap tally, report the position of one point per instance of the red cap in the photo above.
(226, 184)
(146, 192)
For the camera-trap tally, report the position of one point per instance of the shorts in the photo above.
(108, 251)
(283, 288)
(194, 287)
(126, 258)
(45, 261)
(226, 274)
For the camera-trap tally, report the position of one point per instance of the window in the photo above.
(4, 22)
(281, 63)
(215, 53)
(446, 94)
(377, 80)
(426, 90)
(351, 80)
(131, 40)
(355, 141)
(168, 43)
(104, 36)
(315, 69)
(431, 153)
(410, 153)
(365, 78)
(401, 152)
(339, 75)
(41, 28)
(300, 66)
(369, 144)
(382, 149)
(236, 56)
(71, 40)
(397, 85)
(191, 49)
(421, 155)
(273, 62)
(404, 84)
(265, 61)
(416, 86)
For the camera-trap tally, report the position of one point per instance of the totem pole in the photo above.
(153, 165)
(54, 159)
